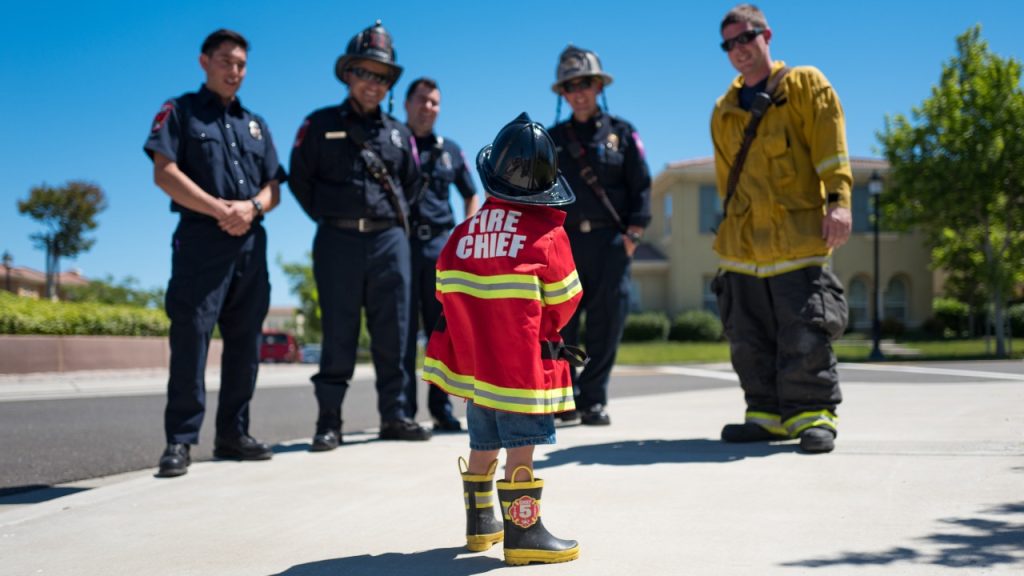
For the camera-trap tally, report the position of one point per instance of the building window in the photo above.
(857, 300)
(861, 209)
(896, 299)
(635, 301)
(710, 209)
(710, 301)
(668, 214)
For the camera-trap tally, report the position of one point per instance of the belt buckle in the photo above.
(363, 224)
(424, 232)
(585, 226)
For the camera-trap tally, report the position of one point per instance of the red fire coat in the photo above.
(507, 282)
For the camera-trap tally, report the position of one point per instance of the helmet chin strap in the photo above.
(604, 101)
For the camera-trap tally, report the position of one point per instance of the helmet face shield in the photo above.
(521, 165)
(576, 63)
(373, 43)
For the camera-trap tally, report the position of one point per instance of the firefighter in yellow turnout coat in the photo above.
(784, 174)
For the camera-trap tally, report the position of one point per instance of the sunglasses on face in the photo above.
(743, 38)
(577, 85)
(364, 74)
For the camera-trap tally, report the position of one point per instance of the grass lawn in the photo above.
(846, 350)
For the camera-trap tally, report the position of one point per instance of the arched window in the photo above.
(896, 299)
(860, 313)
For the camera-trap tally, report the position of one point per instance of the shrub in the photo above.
(696, 326)
(28, 316)
(645, 327)
(950, 317)
(1016, 314)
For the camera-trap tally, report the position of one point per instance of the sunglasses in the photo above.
(743, 38)
(577, 85)
(364, 74)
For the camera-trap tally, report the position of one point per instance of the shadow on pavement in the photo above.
(965, 542)
(443, 561)
(34, 494)
(645, 452)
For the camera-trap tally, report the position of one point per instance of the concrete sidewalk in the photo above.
(927, 479)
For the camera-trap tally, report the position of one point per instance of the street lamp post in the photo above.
(875, 190)
(8, 260)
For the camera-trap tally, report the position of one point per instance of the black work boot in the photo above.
(328, 431)
(596, 415)
(174, 461)
(483, 530)
(817, 440)
(750, 432)
(526, 539)
(403, 429)
(243, 447)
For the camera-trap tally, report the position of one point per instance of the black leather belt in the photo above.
(361, 224)
(428, 231)
(586, 226)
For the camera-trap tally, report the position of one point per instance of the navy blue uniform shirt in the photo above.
(442, 164)
(226, 151)
(329, 177)
(615, 153)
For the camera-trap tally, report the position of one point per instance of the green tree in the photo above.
(302, 284)
(67, 213)
(957, 172)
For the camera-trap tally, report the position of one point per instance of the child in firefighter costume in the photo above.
(507, 283)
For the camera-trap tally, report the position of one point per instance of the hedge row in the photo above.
(27, 316)
(691, 326)
(952, 319)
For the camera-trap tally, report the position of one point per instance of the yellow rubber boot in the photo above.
(483, 530)
(526, 539)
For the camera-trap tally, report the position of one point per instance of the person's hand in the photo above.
(238, 217)
(836, 226)
(628, 242)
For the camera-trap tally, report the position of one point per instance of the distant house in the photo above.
(672, 272)
(32, 283)
(284, 318)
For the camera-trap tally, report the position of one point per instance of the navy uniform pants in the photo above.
(603, 268)
(356, 271)
(423, 305)
(216, 279)
(780, 332)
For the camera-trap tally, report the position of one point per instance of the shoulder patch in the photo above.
(161, 117)
(639, 145)
(301, 134)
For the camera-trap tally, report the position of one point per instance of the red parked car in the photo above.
(278, 346)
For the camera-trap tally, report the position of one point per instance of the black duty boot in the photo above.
(174, 461)
(526, 539)
(817, 440)
(483, 530)
(243, 447)
(750, 432)
(596, 415)
(403, 429)
(328, 431)
(568, 416)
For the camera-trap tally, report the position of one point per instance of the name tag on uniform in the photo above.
(338, 135)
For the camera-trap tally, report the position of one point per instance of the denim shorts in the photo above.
(494, 429)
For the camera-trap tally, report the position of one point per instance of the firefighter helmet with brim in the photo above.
(373, 43)
(577, 63)
(521, 165)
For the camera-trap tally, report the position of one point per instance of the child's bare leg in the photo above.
(516, 457)
(480, 461)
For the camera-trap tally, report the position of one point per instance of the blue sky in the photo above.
(83, 80)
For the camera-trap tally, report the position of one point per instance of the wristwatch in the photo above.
(635, 236)
(258, 206)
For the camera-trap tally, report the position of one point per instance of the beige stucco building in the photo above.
(674, 270)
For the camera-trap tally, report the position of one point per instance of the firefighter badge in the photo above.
(255, 130)
(524, 511)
